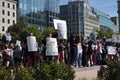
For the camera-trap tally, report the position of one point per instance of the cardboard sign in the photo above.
(111, 50)
(51, 47)
(62, 28)
(8, 37)
(31, 43)
(18, 43)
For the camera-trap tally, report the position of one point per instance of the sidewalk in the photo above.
(87, 73)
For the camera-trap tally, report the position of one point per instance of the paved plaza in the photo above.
(87, 73)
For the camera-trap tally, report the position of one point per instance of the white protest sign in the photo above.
(62, 30)
(31, 43)
(18, 42)
(111, 50)
(51, 47)
(8, 37)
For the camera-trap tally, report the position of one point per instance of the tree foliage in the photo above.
(36, 32)
(102, 32)
(20, 31)
(48, 30)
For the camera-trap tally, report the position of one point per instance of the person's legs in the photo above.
(76, 57)
(80, 59)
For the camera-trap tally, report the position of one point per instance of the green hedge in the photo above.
(43, 71)
(111, 71)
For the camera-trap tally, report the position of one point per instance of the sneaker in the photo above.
(76, 66)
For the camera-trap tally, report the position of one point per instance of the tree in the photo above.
(36, 32)
(48, 30)
(16, 29)
(20, 31)
(102, 32)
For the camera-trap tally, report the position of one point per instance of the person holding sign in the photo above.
(61, 51)
(51, 48)
(32, 50)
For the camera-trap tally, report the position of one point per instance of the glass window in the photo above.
(8, 21)
(13, 6)
(8, 13)
(13, 21)
(3, 28)
(13, 14)
(8, 5)
(3, 20)
(3, 4)
(3, 12)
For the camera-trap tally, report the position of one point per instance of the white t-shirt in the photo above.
(79, 48)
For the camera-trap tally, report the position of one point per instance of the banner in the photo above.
(31, 43)
(51, 47)
(55, 21)
(62, 31)
(62, 28)
(111, 50)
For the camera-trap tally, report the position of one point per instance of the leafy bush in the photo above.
(5, 74)
(43, 71)
(111, 71)
(23, 73)
(54, 72)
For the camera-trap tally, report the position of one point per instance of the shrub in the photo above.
(111, 72)
(54, 72)
(5, 74)
(23, 73)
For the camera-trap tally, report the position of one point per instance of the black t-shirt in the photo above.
(60, 48)
(8, 58)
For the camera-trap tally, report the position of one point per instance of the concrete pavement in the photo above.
(87, 73)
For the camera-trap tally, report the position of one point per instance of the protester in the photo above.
(90, 53)
(72, 49)
(32, 56)
(7, 59)
(78, 52)
(61, 53)
(85, 50)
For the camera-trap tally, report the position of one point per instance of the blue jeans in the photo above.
(99, 57)
(78, 58)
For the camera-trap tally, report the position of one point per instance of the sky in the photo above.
(107, 6)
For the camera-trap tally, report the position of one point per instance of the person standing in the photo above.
(78, 52)
(90, 53)
(32, 55)
(61, 51)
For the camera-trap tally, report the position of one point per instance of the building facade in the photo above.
(79, 17)
(119, 14)
(106, 21)
(115, 24)
(8, 15)
(39, 13)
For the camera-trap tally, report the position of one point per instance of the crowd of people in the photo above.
(75, 51)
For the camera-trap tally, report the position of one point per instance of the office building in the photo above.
(38, 12)
(79, 17)
(115, 24)
(7, 15)
(119, 14)
(106, 21)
